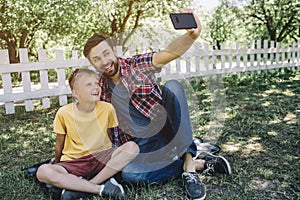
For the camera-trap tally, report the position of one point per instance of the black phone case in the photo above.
(183, 20)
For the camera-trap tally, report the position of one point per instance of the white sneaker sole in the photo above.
(201, 198)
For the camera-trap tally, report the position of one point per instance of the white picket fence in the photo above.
(200, 60)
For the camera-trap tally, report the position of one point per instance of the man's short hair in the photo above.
(95, 40)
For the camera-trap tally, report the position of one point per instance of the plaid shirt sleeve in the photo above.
(118, 137)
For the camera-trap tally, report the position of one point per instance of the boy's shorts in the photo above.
(88, 166)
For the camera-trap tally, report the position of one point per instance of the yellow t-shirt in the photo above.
(85, 133)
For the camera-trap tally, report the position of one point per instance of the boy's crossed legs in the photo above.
(101, 166)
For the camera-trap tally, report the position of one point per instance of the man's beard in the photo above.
(112, 72)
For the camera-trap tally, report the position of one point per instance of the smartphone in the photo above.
(183, 20)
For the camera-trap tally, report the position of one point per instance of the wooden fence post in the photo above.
(265, 56)
(273, 52)
(293, 56)
(44, 77)
(6, 81)
(277, 55)
(214, 57)
(258, 55)
(230, 56)
(61, 77)
(252, 47)
(223, 58)
(205, 58)
(188, 66)
(245, 55)
(197, 59)
(238, 56)
(26, 81)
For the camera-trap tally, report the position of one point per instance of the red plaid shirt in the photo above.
(138, 76)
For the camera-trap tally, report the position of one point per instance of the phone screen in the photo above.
(183, 20)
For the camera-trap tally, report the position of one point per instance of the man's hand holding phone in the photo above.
(182, 43)
(186, 19)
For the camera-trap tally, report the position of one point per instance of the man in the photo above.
(157, 120)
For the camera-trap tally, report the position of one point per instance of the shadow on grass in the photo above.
(26, 138)
(261, 137)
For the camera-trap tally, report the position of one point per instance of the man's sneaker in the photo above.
(204, 146)
(113, 190)
(72, 195)
(215, 164)
(194, 187)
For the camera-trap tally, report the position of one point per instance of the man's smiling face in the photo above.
(104, 59)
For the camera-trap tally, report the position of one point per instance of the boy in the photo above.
(84, 158)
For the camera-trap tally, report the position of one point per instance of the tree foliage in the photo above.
(276, 20)
(224, 25)
(21, 20)
(47, 23)
(125, 17)
(28, 24)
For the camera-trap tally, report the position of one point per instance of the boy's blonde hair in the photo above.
(78, 73)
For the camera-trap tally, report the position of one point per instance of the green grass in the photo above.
(259, 135)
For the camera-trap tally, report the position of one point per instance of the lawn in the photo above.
(255, 118)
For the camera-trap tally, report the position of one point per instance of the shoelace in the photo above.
(210, 170)
(192, 178)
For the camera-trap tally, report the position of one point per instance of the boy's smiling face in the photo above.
(86, 88)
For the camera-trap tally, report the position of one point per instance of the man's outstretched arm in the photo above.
(178, 46)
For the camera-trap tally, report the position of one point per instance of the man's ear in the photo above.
(74, 94)
(115, 51)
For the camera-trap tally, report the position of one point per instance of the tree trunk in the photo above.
(12, 51)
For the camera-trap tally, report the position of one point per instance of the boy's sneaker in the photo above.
(72, 195)
(215, 164)
(194, 187)
(113, 190)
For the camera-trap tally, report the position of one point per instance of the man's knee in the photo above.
(131, 149)
(174, 86)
